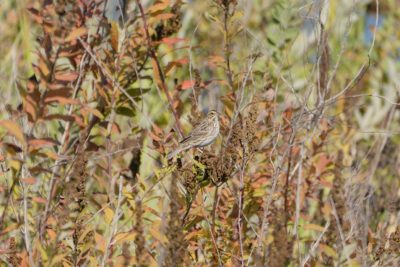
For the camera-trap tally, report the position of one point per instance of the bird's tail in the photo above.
(179, 149)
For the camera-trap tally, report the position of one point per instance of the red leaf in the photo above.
(171, 41)
(175, 63)
(187, 84)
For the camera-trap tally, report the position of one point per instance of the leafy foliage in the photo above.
(304, 171)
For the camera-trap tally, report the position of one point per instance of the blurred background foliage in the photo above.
(95, 93)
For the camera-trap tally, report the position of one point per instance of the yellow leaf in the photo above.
(14, 129)
(124, 237)
(109, 214)
(152, 261)
(14, 164)
(237, 15)
(354, 263)
(57, 259)
(158, 235)
(314, 227)
(329, 251)
(42, 251)
(51, 154)
(94, 111)
(76, 33)
(83, 235)
(157, 7)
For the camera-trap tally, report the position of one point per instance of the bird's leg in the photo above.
(200, 149)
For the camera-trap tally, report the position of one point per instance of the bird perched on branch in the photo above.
(202, 135)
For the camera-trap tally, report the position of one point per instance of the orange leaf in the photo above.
(158, 130)
(157, 7)
(187, 84)
(24, 257)
(163, 16)
(29, 180)
(51, 155)
(14, 129)
(52, 235)
(114, 36)
(159, 236)
(61, 100)
(45, 142)
(321, 164)
(39, 200)
(172, 41)
(66, 77)
(124, 237)
(100, 242)
(175, 63)
(76, 33)
(93, 111)
(216, 59)
(30, 108)
(9, 228)
(154, 137)
(328, 250)
(157, 76)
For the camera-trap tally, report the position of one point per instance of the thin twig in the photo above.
(114, 224)
(26, 223)
(315, 244)
(339, 226)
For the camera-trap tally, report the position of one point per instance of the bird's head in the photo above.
(212, 114)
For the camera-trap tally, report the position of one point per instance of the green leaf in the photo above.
(137, 91)
(271, 41)
(124, 111)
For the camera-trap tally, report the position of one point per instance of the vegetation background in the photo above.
(95, 93)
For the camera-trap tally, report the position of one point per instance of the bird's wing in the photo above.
(198, 131)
